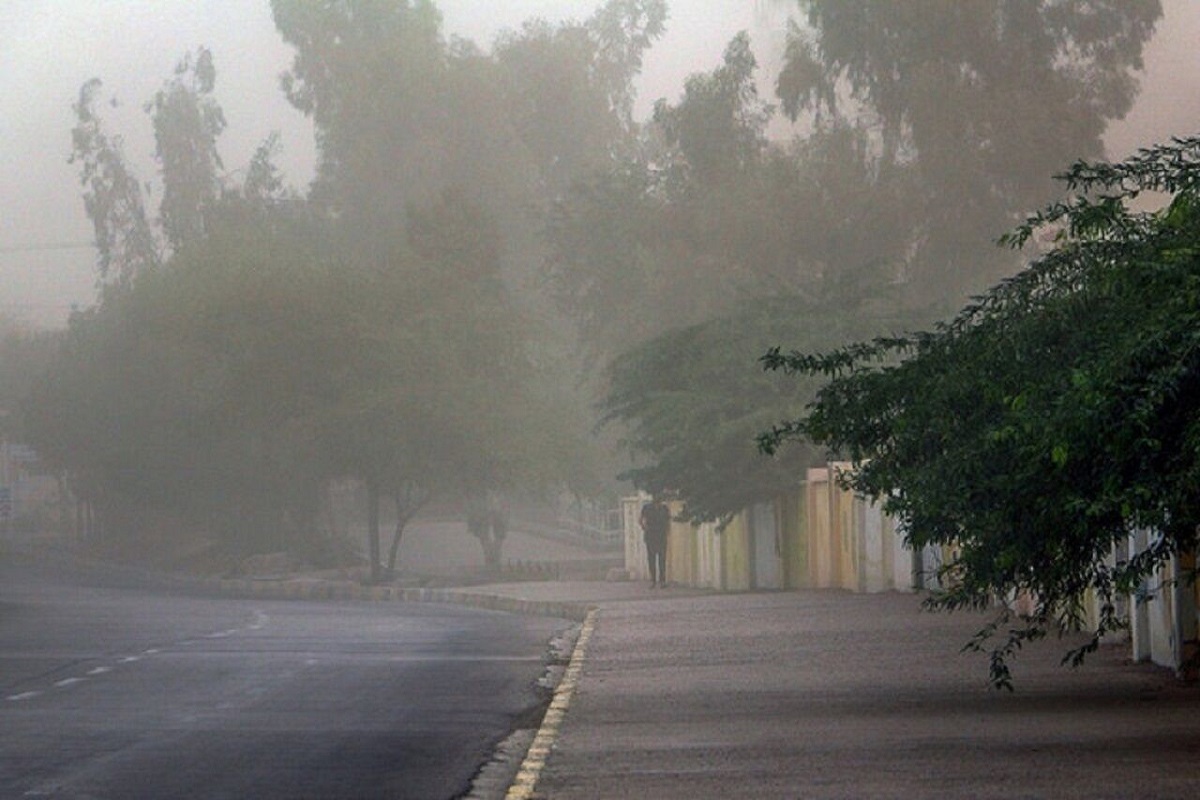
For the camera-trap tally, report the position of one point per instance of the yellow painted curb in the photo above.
(523, 785)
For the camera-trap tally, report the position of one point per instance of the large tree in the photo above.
(692, 400)
(710, 213)
(985, 99)
(1049, 420)
(182, 402)
(678, 267)
(187, 123)
(126, 241)
(438, 149)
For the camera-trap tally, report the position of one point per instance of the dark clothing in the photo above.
(656, 551)
(656, 521)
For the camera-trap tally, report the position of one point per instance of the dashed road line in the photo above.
(260, 620)
(523, 785)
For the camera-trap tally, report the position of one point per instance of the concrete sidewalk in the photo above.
(832, 695)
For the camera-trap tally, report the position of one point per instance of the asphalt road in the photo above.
(110, 690)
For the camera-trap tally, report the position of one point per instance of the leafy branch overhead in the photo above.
(1050, 419)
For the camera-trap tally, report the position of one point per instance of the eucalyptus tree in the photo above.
(436, 162)
(692, 401)
(1047, 421)
(710, 213)
(678, 267)
(187, 123)
(933, 127)
(126, 241)
(184, 402)
(984, 100)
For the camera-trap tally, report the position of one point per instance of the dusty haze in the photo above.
(48, 48)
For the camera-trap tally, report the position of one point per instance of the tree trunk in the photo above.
(409, 499)
(487, 521)
(373, 529)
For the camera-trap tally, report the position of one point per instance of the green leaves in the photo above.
(694, 400)
(1038, 428)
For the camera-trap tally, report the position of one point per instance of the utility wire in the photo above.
(39, 246)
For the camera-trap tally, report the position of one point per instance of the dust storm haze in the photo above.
(323, 293)
(49, 48)
(374, 373)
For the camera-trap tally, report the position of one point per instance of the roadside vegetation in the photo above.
(502, 281)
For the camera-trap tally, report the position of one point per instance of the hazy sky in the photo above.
(48, 48)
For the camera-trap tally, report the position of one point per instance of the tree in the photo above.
(710, 214)
(644, 245)
(680, 267)
(372, 76)
(623, 30)
(187, 122)
(1049, 420)
(184, 402)
(125, 240)
(719, 125)
(436, 161)
(24, 356)
(693, 401)
(446, 407)
(984, 99)
(569, 87)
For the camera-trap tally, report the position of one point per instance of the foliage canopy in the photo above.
(983, 100)
(1050, 419)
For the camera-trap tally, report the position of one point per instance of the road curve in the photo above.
(111, 690)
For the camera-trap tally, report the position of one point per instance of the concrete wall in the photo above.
(681, 551)
(821, 536)
(794, 540)
(735, 555)
(824, 537)
(636, 564)
(819, 531)
(708, 556)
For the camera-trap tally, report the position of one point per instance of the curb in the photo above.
(524, 785)
(321, 590)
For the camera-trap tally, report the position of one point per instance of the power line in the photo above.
(33, 247)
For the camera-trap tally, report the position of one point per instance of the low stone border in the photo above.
(329, 590)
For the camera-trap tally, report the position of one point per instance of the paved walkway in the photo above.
(831, 695)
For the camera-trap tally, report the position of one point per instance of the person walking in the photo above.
(656, 521)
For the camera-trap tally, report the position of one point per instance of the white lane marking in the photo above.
(151, 651)
(129, 659)
(16, 698)
(69, 682)
(99, 670)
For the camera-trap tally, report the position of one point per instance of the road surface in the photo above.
(110, 690)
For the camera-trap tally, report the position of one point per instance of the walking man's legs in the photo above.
(656, 552)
